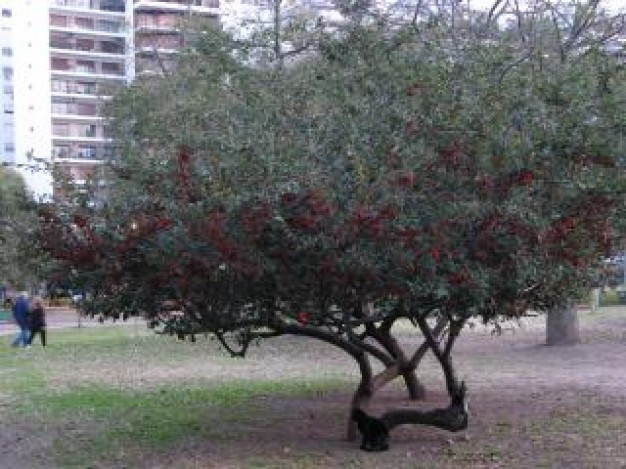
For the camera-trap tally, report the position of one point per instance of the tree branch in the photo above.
(423, 348)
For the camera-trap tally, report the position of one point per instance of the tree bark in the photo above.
(414, 386)
(452, 418)
(363, 394)
(562, 325)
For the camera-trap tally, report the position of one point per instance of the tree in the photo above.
(429, 174)
(21, 262)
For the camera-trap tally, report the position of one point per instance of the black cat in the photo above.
(374, 431)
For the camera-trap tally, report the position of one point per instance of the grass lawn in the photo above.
(118, 396)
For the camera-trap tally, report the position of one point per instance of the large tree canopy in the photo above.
(454, 167)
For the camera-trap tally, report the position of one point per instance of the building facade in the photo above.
(89, 56)
(61, 60)
(7, 124)
(158, 34)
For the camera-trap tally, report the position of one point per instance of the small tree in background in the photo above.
(432, 173)
(23, 265)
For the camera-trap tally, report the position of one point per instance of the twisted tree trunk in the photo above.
(452, 418)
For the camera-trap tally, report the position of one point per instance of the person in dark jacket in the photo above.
(20, 314)
(37, 321)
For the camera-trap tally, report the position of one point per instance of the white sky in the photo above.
(613, 5)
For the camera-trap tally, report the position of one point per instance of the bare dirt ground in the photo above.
(531, 406)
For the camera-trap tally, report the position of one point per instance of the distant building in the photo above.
(157, 31)
(89, 57)
(26, 97)
(61, 60)
(7, 125)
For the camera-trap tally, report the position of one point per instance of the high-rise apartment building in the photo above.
(7, 125)
(26, 96)
(89, 57)
(62, 59)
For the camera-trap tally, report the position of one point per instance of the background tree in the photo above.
(22, 262)
(431, 173)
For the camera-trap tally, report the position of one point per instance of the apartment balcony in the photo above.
(104, 8)
(82, 96)
(79, 72)
(150, 51)
(151, 28)
(93, 29)
(78, 158)
(79, 91)
(75, 112)
(96, 51)
(163, 44)
(206, 7)
(81, 155)
(80, 139)
(74, 116)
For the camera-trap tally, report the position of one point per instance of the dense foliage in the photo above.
(447, 169)
(22, 263)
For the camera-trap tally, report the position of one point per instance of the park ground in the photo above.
(117, 396)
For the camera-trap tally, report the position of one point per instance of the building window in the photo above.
(58, 20)
(82, 87)
(7, 52)
(88, 130)
(61, 151)
(112, 47)
(109, 26)
(85, 66)
(85, 45)
(85, 109)
(6, 13)
(58, 86)
(8, 108)
(112, 5)
(7, 73)
(60, 64)
(84, 23)
(86, 152)
(9, 147)
(60, 130)
(111, 68)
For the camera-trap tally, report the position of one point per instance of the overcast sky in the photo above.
(613, 5)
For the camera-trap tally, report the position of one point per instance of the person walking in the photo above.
(20, 314)
(37, 321)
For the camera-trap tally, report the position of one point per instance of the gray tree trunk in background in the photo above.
(562, 325)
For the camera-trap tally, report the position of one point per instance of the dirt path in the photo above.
(61, 318)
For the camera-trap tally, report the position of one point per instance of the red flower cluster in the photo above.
(303, 317)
